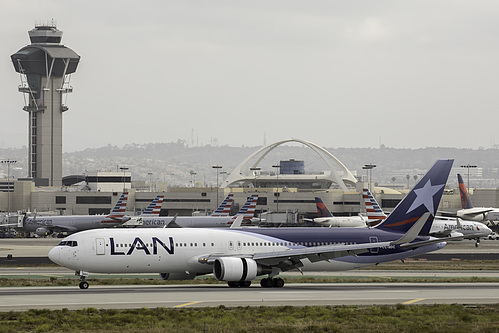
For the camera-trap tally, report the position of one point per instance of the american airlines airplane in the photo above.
(469, 212)
(211, 221)
(46, 225)
(442, 226)
(239, 255)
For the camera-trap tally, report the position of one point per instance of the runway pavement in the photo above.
(119, 297)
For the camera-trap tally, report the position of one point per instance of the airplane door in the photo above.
(231, 245)
(100, 246)
(374, 240)
(239, 247)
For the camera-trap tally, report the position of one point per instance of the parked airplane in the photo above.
(46, 225)
(468, 212)
(327, 219)
(455, 227)
(211, 221)
(238, 256)
(443, 226)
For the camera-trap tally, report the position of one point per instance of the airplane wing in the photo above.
(291, 258)
(475, 211)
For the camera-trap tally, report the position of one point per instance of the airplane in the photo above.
(239, 255)
(469, 212)
(441, 227)
(47, 225)
(327, 219)
(211, 221)
(224, 208)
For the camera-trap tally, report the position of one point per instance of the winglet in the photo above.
(414, 231)
(237, 221)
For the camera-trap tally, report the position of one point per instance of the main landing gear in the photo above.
(272, 283)
(265, 283)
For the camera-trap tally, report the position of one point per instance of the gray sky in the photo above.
(408, 74)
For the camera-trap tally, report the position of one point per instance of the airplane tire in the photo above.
(233, 284)
(83, 285)
(266, 283)
(244, 284)
(278, 283)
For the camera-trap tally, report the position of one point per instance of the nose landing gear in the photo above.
(83, 283)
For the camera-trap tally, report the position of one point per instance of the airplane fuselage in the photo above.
(70, 223)
(181, 251)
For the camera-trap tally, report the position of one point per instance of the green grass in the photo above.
(401, 318)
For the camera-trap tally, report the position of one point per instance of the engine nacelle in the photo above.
(235, 269)
(177, 276)
(42, 231)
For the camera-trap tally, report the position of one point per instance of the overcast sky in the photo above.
(407, 74)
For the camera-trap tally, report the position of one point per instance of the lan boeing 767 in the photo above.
(238, 256)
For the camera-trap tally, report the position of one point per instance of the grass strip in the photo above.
(400, 318)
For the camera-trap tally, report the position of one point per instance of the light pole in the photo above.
(369, 168)
(255, 169)
(468, 166)
(8, 162)
(217, 167)
(277, 166)
(124, 169)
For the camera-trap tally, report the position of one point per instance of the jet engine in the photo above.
(177, 276)
(235, 269)
(42, 231)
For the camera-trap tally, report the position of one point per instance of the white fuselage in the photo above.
(182, 250)
(341, 222)
(448, 227)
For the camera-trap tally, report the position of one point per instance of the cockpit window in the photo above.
(68, 243)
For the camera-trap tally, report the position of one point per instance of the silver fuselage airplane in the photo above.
(46, 225)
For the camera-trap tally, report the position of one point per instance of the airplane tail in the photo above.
(154, 207)
(248, 210)
(321, 208)
(119, 210)
(465, 198)
(422, 200)
(373, 210)
(224, 208)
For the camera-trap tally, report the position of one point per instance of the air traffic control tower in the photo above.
(45, 67)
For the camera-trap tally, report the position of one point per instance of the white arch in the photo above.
(326, 156)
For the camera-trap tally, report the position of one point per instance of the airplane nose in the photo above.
(54, 255)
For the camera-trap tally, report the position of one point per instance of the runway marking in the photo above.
(185, 304)
(414, 300)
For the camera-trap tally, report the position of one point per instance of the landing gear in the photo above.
(477, 242)
(239, 284)
(272, 283)
(83, 283)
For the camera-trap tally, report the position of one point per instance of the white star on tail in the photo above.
(424, 196)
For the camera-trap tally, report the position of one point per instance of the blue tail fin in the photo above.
(465, 197)
(424, 197)
(321, 208)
